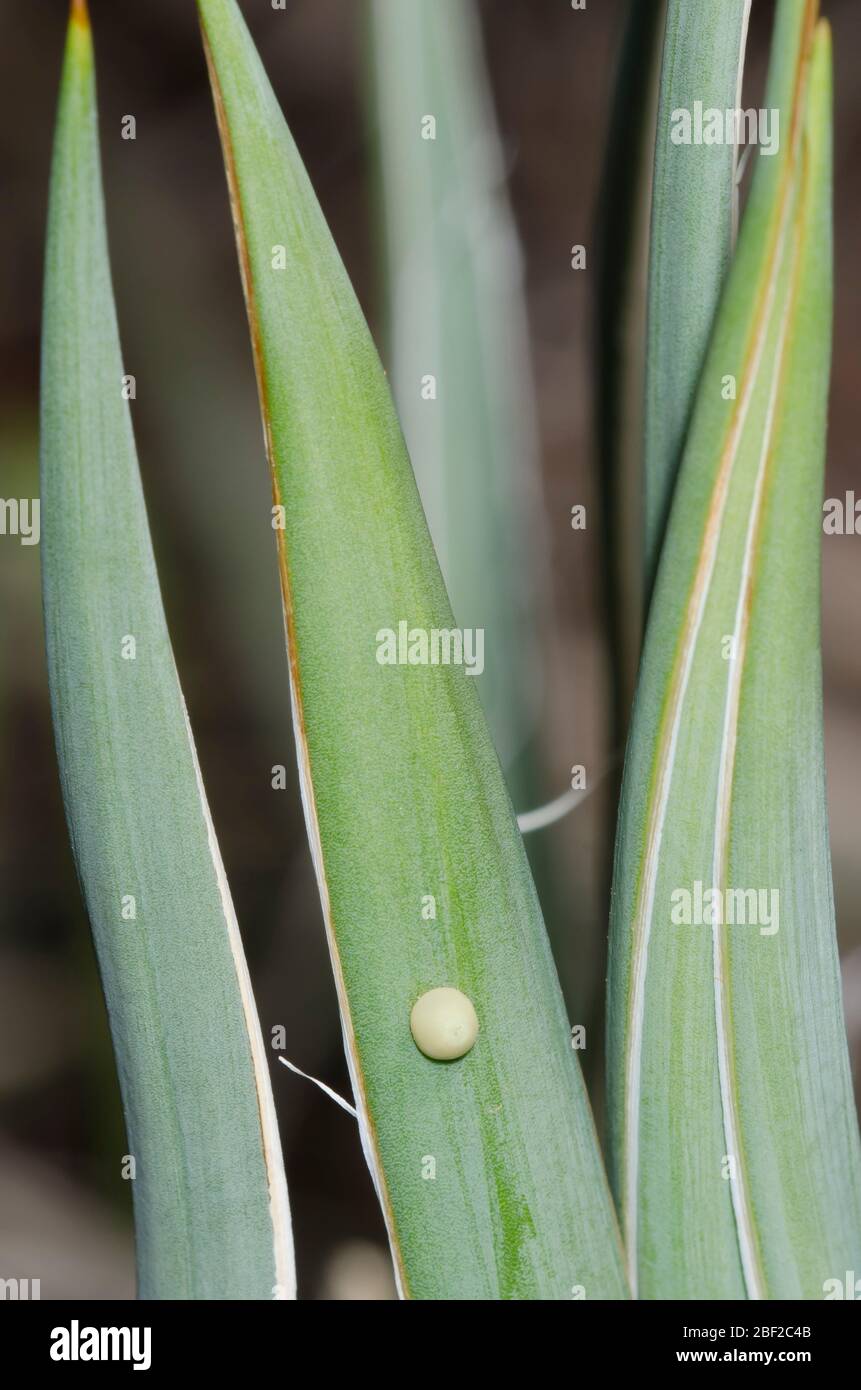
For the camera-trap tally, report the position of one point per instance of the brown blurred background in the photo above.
(64, 1209)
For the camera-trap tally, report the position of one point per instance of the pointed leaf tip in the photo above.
(80, 15)
(822, 36)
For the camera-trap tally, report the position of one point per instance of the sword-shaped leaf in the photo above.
(693, 202)
(734, 1141)
(210, 1198)
(487, 1167)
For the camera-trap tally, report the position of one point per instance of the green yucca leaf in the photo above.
(734, 1143)
(693, 199)
(487, 1167)
(209, 1192)
(455, 312)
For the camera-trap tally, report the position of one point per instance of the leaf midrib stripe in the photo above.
(749, 1245)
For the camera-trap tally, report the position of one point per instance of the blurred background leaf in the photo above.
(455, 313)
(622, 233)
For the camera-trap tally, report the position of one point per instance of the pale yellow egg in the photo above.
(444, 1024)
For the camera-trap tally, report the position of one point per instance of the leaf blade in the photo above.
(402, 788)
(694, 1061)
(211, 1207)
(693, 203)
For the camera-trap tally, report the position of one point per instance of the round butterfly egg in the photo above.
(444, 1024)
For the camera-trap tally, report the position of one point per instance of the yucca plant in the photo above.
(733, 1145)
